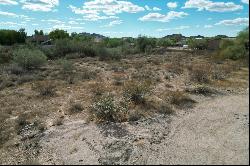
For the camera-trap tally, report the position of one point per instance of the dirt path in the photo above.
(216, 131)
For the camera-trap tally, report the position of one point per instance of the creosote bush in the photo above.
(29, 59)
(107, 109)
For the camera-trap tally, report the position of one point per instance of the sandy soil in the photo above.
(216, 131)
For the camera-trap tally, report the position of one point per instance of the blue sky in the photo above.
(117, 18)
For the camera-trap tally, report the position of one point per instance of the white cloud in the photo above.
(237, 21)
(212, 6)
(95, 9)
(39, 5)
(163, 18)
(8, 14)
(245, 1)
(8, 2)
(208, 26)
(113, 23)
(177, 28)
(182, 27)
(66, 27)
(172, 5)
(154, 8)
(53, 21)
(12, 24)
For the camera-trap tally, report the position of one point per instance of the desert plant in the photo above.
(14, 68)
(29, 59)
(181, 100)
(136, 91)
(45, 88)
(201, 73)
(76, 108)
(107, 109)
(66, 66)
(6, 54)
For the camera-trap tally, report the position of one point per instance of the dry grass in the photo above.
(45, 88)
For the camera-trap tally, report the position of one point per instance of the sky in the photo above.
(123, 18)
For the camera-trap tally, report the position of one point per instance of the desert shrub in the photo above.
(105, 109)
(45, 88)
(103, 53)
(202, 90)
(29, 59)
(127, 49)
(58, 121)
(233, 52)
(49, 51)
(181, 100)
(136, 91)
(135, 115)
(143, 42)
(221, 72)
(200, 73)
(72, 56)
(76, 108)
(6, 55)
(66, 66)
(14, 68)
(165, 108)
(97, 89)
(88, 74)
(235, 49)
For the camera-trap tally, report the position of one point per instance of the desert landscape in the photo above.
(88, 99)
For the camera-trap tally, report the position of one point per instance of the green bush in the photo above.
(144, 42)
(29, 59)
(5, 55)
(66, 66)
(233, 52)
(105, 109)
(235, 49)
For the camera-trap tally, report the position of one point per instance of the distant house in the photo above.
(197, 37)
(39, 39)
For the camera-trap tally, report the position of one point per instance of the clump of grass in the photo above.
(202, 90)
(136, 91)
(181, 100)
(97, 89)
(14, 68)
(45, 88)
(76, 108)
(66, 66)
(201, 73)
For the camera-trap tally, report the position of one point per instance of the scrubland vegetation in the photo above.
(115, 80)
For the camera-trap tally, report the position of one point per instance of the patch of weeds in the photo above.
(98, 88)
(201, 73)
(136, 91)
(106, 109)
(45, 88)
(76, 108)
(202, 90)
(181, 100)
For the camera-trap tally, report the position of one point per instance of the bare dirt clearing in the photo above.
(215, 132)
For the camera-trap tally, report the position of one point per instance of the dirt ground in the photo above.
(213, 131)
